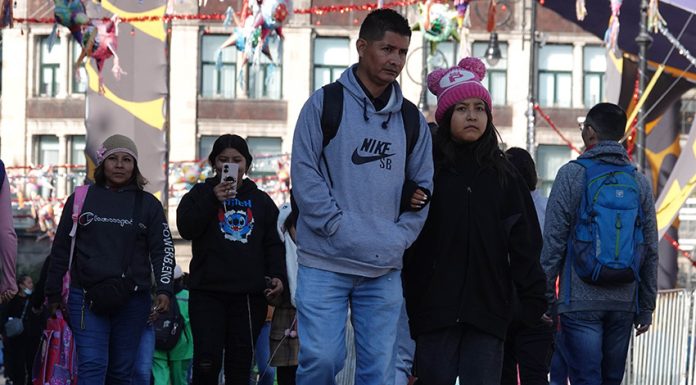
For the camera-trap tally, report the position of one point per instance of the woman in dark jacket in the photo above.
(480, 243)
(122, 238)
(235, 246)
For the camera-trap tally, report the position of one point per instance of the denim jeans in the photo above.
(322, 299)
(460, 351)
(558, 374)
(142, 369)
(107, 345)
(595, 345)
(263, 354)
(405, 349)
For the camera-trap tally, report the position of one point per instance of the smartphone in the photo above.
(229, 174)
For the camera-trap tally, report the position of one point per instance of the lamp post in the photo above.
(531, 96)
(643, 40)
(423, 101)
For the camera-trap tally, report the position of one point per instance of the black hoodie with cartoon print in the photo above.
(235, 244)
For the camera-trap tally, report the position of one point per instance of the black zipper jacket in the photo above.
(234, 244)
(103, 235)
(481, 241)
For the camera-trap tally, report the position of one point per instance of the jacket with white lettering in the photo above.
(104, 234)
(235, 244)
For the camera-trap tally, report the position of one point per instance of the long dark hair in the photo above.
(137, 178)
(487, 151)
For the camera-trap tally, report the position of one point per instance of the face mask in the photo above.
(27, 291)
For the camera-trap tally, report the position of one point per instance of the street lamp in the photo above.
(493, 51)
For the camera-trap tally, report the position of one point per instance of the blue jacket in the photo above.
(561, 213)
(348, 193)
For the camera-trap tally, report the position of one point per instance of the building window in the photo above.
(266, 151)
(46, 150)
(79, 86)
(331, 58)
(218, 83)
(49, 65)
(594, 66)
(496, 76)
(205, 145)
(265, 79)
(444, 57)
(688, 111)
(77, 160)
(550, 158)
(555, 75)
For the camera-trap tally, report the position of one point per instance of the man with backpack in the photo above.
(351, 235)
(600, 237)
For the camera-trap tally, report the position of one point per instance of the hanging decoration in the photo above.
(612, 33)
(438, 22)
(6, 13)
(463, 13)
(655, 19)
(580, 9)
(490, 24)
(100, 41)
(72, 15)
(553, 126)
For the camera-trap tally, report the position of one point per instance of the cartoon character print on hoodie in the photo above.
(236, 225)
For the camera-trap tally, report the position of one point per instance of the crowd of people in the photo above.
(427, 239)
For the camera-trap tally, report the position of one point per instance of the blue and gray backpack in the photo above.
(606, 244)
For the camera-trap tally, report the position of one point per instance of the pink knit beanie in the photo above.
(452, 85)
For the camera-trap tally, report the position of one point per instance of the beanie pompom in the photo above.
(434, 80)
(475, 66)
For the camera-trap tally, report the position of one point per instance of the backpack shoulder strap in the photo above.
(411, 118)
(78, 202)
(332, 111)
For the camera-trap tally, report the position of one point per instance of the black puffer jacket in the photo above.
(481, 240)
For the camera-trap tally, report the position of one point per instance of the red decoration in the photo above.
(319, 10)
(553, 126)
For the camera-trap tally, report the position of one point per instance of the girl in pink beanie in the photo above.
(481, 240)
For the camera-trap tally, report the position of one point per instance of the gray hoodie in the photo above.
(561, 213)
(349, 192)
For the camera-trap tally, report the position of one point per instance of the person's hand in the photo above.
(418, 199)
(7, 296)
(274, 290)
(640, 329)
(161, 304)
(224, 191)
(546, 320)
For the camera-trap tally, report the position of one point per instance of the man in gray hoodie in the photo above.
(351, 235)
(596, 320)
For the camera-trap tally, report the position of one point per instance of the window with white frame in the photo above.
(496, 76)
(205, 145)
(555, 75)
(550, 158)
(266, 151)
(687, 112)
(331, 58)
(79, 83)
(49, 67)
(445, 56)
(77, 159)
(222, 82)
(594, 67)
(264, 81)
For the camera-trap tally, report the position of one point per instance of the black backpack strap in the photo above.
(332, 110)
(411, 117)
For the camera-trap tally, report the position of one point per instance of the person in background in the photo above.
(235, 247)
(480, 240)
(8, 241)
(21, 349)
(528, 349)
(172, 367)
(121, 228)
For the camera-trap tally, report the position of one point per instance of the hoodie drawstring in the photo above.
(365, 110)
(385, 123)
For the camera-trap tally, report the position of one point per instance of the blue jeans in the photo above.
(405, 349)
(107, 345)
(142, 368)
(559, 369)
(322, 299)
(595, 344)
(263, 355)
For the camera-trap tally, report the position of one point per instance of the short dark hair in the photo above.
(608, 120)
(381, 20)
(137, 178)
(524, 163)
